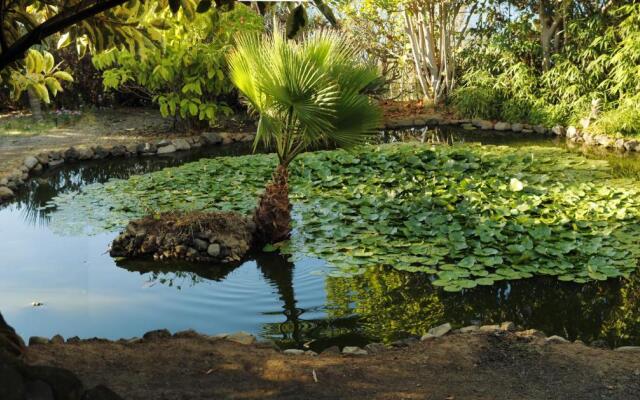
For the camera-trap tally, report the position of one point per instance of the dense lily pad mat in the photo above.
(471, 215)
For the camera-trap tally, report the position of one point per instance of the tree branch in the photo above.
(54, 25)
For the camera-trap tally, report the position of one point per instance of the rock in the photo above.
(65, 385)
(330, 351)
(213, 250)
(100, 393)
(527, 130)
(30, 162)
(11, 383)
(619, 144)
(405, 342)
(163, 143)
(118, 150)
(167, 149)
(470, 328)
(540, 129)
(489, 328)
(39, 390)
(603, 140)
(578, 342)
(84, 154)
(73, 339)
(558, 130)
(632, 145)
(508, 326)
(426, 337)
(502, 126)
(43, 158)
(354, 351)
(157, 334)
(242, 338)
(211, 138)
(186, 334)
(5, 193)
(37, 168)
(572, 132)
(181, 144)
(71, 154)
(530, 333)
(55, 163)
(375, 348)
(132, 148)
(57, 339)
(293, 352)
(440, 330)
(628, 349)
(482, 124)
(38, 340)
(599, 343)
(556, 339)
(219, 336)
(517, 127)
(201, 244)
(146, 148)
(100, 153)
(311, 353)
(468, 127)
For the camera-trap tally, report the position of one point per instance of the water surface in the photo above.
(86, 293)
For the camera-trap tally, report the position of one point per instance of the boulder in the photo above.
(57, 339)
(163, 143)
(132, 148)
(186, 334)
(71, 154)
(426, 337)
(118, 150)
(540, 129)
(632, 145)
(508, 326)
(43, 158)
(100, 152)
(55, 163)
(100, 393)
(470, 328)
(517, 127)
(242, 338)
(213, 250)
(354, 351)
(65, 384)
(628, 349)
(30, 162)
(333, 350)
(5, 193)
(502, 126)
(157, 334)
(558, 130)
(489, 328)
(556, 339)
(482, 124)
(572, 132)
(38, 340)
(84, 153)
(293, 352)
(211, 138)
(146, 148)
(201, 245)
(375, 348)
(603, 140)
(167, 149)
(181, 144)
(440, 330)
(12, 385)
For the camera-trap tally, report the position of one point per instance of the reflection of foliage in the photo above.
(472, 215)
(389, 302)
(624, 323)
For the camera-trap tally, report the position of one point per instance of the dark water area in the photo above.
(85, 292)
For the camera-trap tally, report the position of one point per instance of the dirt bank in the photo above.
(499, 365)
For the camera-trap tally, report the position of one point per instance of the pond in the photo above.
(86, 293)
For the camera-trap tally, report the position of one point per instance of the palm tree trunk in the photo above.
(34, 104)
(273, 215)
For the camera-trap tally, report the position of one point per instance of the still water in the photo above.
(86, 293)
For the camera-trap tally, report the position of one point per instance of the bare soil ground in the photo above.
(454, 367)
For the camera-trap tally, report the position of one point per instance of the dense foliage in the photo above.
(470, 216)
(185, 74)
(592, 76)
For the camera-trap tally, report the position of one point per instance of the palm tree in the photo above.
(307, 93)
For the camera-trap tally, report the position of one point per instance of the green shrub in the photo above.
(623, 120)
(477, 102)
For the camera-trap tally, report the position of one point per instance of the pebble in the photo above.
(354, 351)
